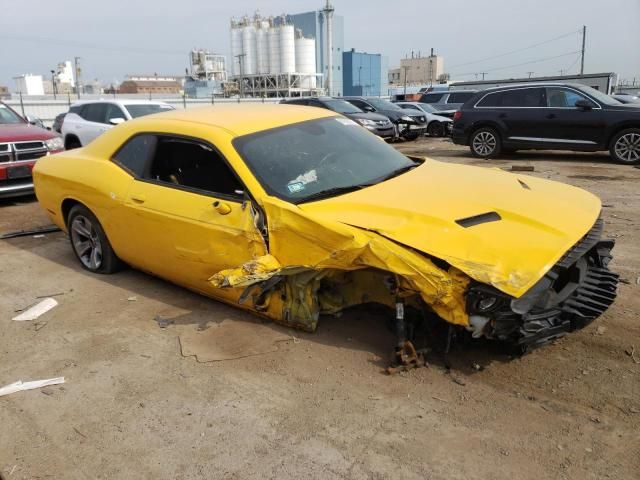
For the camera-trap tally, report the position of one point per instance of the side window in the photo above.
(432, 97)
(523, 97)
(460, 97)
(359, 103)
(194, 165)
(562, 98)
(135, 153)
(114, 111)
(490, 100)
(75, 109)
(94, 112)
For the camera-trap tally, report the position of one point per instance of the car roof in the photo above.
(532, 85)
(242, 119)
(120, 101)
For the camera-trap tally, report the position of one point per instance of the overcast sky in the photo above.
(120, 37)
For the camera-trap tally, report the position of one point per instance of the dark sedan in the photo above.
(375, 123)
(550, 116)
(409, 123)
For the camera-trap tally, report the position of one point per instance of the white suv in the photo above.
(88, 119)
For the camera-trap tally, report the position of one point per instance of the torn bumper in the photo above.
(576, 291)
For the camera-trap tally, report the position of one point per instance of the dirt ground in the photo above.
(320, 406)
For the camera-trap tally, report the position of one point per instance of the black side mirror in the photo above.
(583, 104)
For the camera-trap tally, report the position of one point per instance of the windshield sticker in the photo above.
(308, 177)
(346, 121)
(295, 187)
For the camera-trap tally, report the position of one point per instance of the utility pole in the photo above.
(405, 68)
(54, 84)
(240, 58)
(530, 73)
(483, 74)
(78, 72)
(584, 37)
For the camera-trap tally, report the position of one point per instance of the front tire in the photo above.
(435, 129)
(625, 146)
(89, 242)
(485, 143)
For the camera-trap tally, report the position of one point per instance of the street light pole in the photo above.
(405, 68)
(53, 83)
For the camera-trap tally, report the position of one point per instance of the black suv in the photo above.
(548, 116)
(375, 123)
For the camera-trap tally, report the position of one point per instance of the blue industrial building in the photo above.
(364, 74)
(312, 25)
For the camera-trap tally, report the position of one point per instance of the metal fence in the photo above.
(47, 108)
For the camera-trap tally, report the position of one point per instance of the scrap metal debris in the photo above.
(231, 340)
(522, 168)
(631, 352)
(26, 233)
(164, 322)
(35, 311)
(20, 386)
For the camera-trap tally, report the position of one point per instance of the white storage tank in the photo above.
(274, 50)
(262, 47)
(249, 49)
(236, 48)
(306, 60)
(287, 49)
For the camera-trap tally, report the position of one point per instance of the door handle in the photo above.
(551, 116)
(138, 198)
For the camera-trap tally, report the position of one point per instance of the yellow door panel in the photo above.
(181, 235)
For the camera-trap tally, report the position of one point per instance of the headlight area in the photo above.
(576, 291)
(367, 123)
(55, 144)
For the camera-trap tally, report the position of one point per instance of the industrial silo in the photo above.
(287, 49)
(262, 46)
(236, 47)
(250, 64)
(306, 59)
(274, 50)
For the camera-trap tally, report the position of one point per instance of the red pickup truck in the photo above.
(21, 144)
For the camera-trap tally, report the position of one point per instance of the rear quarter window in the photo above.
(432, 97)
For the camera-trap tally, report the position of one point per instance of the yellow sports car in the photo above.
(294, 212)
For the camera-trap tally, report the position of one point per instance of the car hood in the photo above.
(368, 116)
(525, 226)
(22, 132)
(439, 118)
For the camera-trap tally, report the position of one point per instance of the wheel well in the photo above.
(67, 205)
(69, 139)
(617, 131)
(480, 125)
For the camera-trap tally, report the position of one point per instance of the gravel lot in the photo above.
(320, 406)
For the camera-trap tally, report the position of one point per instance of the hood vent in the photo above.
(479, 219)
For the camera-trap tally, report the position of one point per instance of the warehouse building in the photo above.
(364, 74)
(418, 70)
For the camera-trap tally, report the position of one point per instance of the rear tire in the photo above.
(625, 146)
(435, 129)
(89, 242)
(71, 142)
(485, 143)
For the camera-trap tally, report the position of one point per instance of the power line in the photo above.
(516, 51)
(521, 64)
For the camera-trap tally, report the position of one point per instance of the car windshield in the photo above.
(380, 104)
(600, 97)
(8, 116)
(341, 106)
(146, 109)
(319, 158)
(425, 107)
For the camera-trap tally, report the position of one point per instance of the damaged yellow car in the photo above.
(295, 212)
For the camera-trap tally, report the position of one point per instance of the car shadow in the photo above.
(363, 328)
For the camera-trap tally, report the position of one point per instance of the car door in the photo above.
(94, 115)
(518, 111)
(566, 124)
(188, 215)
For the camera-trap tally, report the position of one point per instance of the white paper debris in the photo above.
(20, 386)
(37, 310)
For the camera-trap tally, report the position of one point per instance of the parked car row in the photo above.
(385, 119)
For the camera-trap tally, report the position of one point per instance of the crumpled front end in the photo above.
(577, 290)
